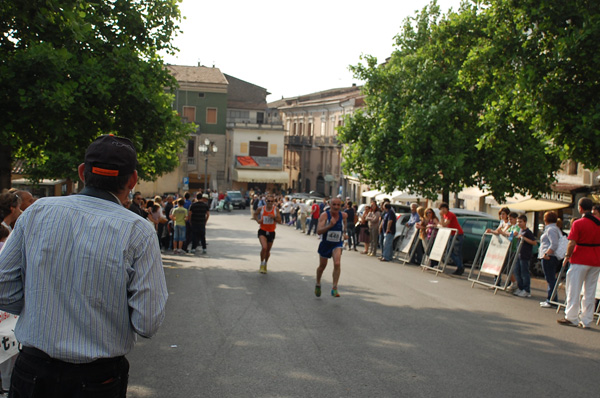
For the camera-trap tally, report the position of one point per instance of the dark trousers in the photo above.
(188, 235)
(37, 375)
(314, 222)
(351, 231)
(198, 235)
(550, 266)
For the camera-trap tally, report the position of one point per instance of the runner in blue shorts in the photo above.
(331, 227)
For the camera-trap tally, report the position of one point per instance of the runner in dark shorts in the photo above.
(331, 227)
(267, 217)
(269, 235)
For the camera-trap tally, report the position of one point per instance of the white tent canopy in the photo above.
(395, 196)
(370, 194)
(402, 196)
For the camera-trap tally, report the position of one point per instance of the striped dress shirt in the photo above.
(85, 275)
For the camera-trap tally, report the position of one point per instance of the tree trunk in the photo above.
(446, 196)
(5, 167)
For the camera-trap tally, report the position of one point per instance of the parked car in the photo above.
(473, 225)
(237, 200)
(474, 228)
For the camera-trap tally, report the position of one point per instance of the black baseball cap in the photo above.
(111, 156)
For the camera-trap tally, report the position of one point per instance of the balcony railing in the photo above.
(326, 141)
(253, 125)
(298, 140)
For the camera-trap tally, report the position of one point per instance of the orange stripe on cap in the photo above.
(105, 172)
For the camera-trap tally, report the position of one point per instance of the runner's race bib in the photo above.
(268, 220)
(334, 236)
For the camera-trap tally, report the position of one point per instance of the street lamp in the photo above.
(207, 148)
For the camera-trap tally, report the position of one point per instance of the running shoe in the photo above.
(263, 269)
(335, 293)
(318, 291)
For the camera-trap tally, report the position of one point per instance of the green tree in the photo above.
(494, 95)
(71, 70)
(513, 159)
(419, 127)
(537, 70)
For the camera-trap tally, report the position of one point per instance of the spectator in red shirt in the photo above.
(583, 252)
(449, 221)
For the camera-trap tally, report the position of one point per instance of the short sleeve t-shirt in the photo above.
(199, 210)
(453, 222)
(350, 213)
(526, 248)
(389, 215)
(316, 210)
(180, 214)
(587, 235)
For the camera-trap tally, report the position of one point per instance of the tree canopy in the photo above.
(71, 70)
(474, 98)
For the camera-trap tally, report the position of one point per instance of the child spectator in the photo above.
(522, 267)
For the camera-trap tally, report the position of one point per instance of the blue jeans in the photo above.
(388, 247)
(456, 254)
(179, 235)
(549, 267)
(522, 275)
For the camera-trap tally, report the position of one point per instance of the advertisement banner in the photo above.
(439, 245)
(495, 255)
(8, 343)
(408, 239)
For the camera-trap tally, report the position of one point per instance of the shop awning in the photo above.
(272, 176)
(537, 205)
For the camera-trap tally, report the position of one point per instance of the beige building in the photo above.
(255, 142)
(313, 156)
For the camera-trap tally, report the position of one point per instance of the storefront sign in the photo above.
(558, 197)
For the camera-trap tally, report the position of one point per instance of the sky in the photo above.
(291, 48)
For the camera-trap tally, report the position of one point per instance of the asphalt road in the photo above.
(394, 332)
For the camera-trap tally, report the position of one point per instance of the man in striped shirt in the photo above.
(92, 274)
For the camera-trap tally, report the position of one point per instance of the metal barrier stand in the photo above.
(407, 246)
(440, 244)
(496, 261)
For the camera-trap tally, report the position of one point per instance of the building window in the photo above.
(238, 116)
(572, 168)
(189, 113)
(260, 117)
(191, 146)
(259, 148)
(211, 115)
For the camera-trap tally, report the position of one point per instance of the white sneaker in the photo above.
(545, 304)
(517, 292)
(523, 293)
